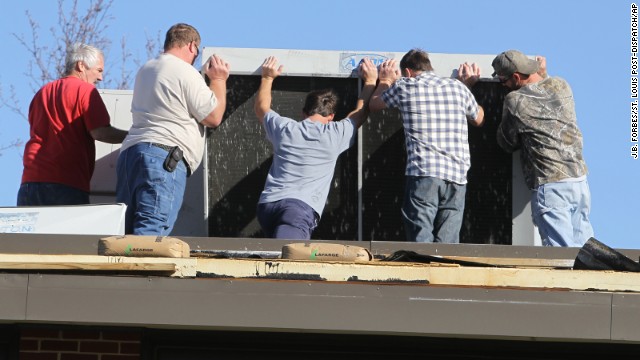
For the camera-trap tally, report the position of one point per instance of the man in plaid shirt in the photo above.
(435, 113)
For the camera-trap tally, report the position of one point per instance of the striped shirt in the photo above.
(435, 112)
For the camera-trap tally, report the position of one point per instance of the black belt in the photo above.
(168, 148)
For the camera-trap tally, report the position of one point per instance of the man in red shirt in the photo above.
(66, 116)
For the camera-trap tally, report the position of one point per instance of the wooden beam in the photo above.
(433, 274)
(375, 271)
(517, 262)
(82, 266)
(179, 267)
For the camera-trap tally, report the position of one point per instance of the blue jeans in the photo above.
(560, 210)
(287, 219)
(433, 210)
(152, 194)
(45, 194)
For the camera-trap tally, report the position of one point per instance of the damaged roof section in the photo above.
(497, 292)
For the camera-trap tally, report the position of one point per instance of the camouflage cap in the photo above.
(513, 61)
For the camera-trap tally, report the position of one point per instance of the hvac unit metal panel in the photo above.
(192, 218)
(367, 190)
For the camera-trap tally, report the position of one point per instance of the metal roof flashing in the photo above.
(331, 63)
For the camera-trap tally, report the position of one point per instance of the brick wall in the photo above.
(79, 344)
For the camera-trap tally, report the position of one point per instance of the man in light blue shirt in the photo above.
(305, 153)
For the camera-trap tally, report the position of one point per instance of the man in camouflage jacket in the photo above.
(539, 119)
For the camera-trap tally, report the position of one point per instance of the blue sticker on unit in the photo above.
(350, 61)
(24, 222)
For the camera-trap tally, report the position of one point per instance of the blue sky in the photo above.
(586, 43)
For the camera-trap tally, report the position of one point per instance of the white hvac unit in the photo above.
(194, 214)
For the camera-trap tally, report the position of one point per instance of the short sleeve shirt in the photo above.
(304, 158)
(435, 112)
(170, 99)
(60, 148)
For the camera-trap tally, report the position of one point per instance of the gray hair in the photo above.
(88, 54)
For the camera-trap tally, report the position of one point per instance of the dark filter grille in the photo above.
(239, 157)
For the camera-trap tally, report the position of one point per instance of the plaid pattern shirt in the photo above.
(435, 112)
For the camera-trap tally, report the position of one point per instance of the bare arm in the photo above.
(109, 134)
(479, 120)
(469, 74)
(388, 74)
(369, 74)
(218, 72)
(270, 71)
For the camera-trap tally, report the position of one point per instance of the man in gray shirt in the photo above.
(539, 119)
(305, 153)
